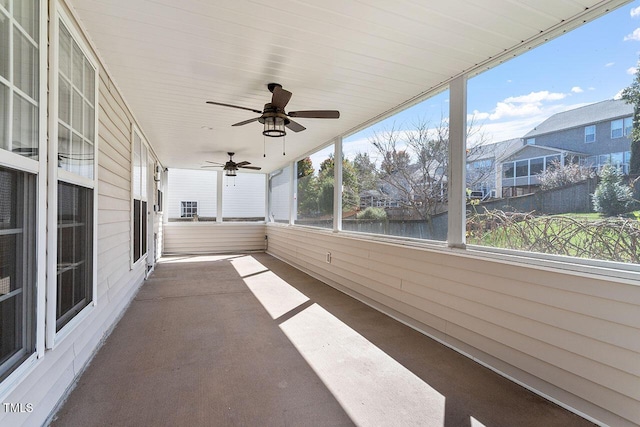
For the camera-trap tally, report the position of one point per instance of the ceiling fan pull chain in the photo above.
(264, 146)
(283, 147)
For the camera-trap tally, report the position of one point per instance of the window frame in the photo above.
(587, 140)
(193, 204)
(39, 169)
(60, 15)
(143, 199)
(616, 128)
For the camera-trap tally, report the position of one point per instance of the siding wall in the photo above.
(211, 237)
(51, 376)
(573, 337)
(185, 185)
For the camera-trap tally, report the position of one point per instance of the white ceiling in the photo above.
(363, 58)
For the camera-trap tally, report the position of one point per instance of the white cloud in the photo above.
(592, 88)
(577, 89)
(632, 70)
(609, 64)
(633, 36)
(534, 97)
(635, 12)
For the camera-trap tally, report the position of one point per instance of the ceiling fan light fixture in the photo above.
(274, 127)
(230, 172)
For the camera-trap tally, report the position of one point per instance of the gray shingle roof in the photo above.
(592, 113)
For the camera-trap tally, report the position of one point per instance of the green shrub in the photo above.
(378, 214)
(612, 197)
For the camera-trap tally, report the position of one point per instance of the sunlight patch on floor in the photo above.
(476, 423)
(276, 295)
(372, 387)
(248, 265)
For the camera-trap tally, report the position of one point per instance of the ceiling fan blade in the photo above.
(234, 106)
(246, 122)
(211, 166)
(255, 168)
(215, 163)
(243, 163)
(315, 114)
(295, 126)
(280, 97)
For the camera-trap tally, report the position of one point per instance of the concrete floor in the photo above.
(247, 340)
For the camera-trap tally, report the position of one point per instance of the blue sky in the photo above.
(589, 64)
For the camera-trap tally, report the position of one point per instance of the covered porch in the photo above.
(246, 339)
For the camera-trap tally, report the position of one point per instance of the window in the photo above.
(17, 268)
(522, 168)
(314, 189)
(531, 141)
(75, 251)
(628, 126)
(508, 170)
(20, 114)
(140, 191)
(243, 197)
(279, 190)
(75, 193)
(536, 166)
(19, 78)
(553, 222)
(76, 107)
(616, 129)
(188, 209)
(394, 173)
(590, 133)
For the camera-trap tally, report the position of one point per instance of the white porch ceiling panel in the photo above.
(363, 58)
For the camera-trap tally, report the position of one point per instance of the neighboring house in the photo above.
(482, 178)
(595, 134)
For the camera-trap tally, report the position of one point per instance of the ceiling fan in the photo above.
(275, 119)
(230, 166)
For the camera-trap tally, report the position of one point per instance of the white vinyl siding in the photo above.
(212, 237)
(191, 185)
(243, 196)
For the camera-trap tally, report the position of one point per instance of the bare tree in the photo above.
(415, 163)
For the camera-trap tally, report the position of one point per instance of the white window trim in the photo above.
(53, 337)
(143, 197)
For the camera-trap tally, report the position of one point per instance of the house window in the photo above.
(531, 141)
(537, 166)
(76, 107)
(76, 148)
(139, 182)
(188, 209)
(20, 111)
(590, 133)
(75, 251)
(628, 125)
(19, 78)
(508, 170)
(616, 129)
(522, 168)
(17, 268)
